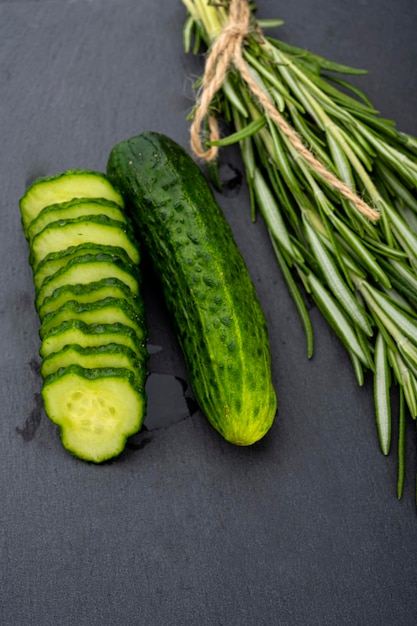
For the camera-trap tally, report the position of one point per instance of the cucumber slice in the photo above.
(94, 229)
(89, 293)
(89, 269)
(107, 355)
(108, 311)
(62, 187)
(73, 209)
(90, 335)
(54, 261)
(96, 410)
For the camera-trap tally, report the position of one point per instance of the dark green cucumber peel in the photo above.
(93, 357)
(74, 209)
(89, 268)
(54, 261)
(98, 229)
(90, 293)
(219, 321)
(116, 309)
(75, 331)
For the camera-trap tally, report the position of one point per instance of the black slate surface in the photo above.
(303, 529)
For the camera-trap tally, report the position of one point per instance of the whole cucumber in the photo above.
(216, 313)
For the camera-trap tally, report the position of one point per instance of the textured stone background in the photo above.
(301, 530)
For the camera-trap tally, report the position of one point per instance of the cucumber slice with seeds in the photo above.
(89, 269)
(108, 311)
(85, 335)
(96, 410)
(62, 187)
(90, 293)
(94, 229)
(75, 208)
(92, 357)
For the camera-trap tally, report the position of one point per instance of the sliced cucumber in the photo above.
(96, 410)
(71, 184)
(55, 261)
(90, 335)
(90, 293)
(107, 355)
(94, 229)
(75, 208)
(108, 311)
(89, 269)
(85, 261)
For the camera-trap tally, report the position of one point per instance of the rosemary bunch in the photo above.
(359, 269)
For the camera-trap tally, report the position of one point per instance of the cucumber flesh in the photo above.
(108, 311)
(96, 410)
(93, 229)
(107, 355)
(90, 293)
(89, 269)
(63, 187)
(89, 335)
(55, 261)
(75, 208)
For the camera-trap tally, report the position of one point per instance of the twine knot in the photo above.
(227, 50)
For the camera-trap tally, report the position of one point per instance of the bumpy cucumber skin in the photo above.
(220, 325)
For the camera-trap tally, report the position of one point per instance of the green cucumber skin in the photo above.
(219, 322)
(55, 261)
(72, 209)
(91, 356)
(49, 285)
(75, 310)
(90, 293)
(104, 225)
(103, 333)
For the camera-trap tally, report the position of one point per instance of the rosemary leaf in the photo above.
(382, 394)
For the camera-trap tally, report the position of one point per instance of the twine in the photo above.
(227, 50)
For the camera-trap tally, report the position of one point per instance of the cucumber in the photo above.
(89, 293)
(108, 311)
(89, 335)
(72, 209)
(54, 261)
(219, 322)
(93, 357)
(63, 187)
(95, 409)
(89, 269)
(85, 261)
(93, 229)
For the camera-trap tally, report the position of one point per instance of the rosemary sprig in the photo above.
(360, 274)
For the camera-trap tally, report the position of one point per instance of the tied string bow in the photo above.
(227, 51)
